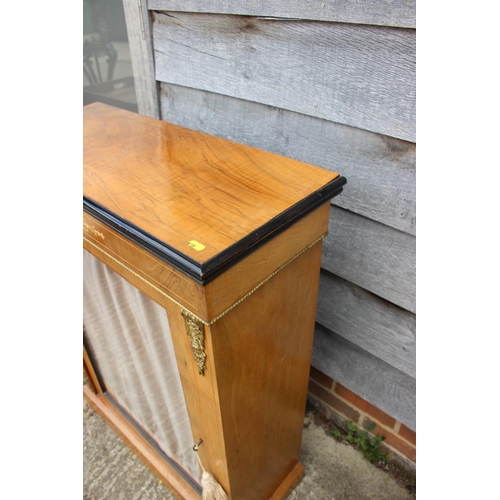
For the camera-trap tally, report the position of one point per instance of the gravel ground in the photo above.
(334, 471)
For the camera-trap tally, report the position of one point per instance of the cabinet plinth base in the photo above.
(167, 474)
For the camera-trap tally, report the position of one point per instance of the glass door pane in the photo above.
(130, 341)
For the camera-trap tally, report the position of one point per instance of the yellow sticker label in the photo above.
(196, 245)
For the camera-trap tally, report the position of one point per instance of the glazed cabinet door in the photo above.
(129, 343)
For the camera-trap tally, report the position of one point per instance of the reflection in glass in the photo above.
(107, 66)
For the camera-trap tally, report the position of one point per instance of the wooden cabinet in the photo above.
(227, 240)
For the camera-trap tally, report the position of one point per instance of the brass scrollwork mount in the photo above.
(195, 331)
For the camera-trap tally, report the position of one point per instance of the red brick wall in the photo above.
(338, 403)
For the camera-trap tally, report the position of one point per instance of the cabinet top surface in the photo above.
(197, 194)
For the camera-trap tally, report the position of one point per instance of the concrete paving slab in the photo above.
(333, 471)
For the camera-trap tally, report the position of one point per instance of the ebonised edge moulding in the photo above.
(226, 240)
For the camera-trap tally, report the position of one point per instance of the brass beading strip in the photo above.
(230, 308)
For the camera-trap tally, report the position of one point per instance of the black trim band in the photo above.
(218, 264)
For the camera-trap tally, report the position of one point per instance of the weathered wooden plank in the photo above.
(371, 378)
(382, 12)
(358, 75)
(138, 20)
(380, 170)
(375, 257)
(372, 323)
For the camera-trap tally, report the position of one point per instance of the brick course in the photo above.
(408, 434)
(391, 439)
(340, 404)
(321, 378)
(364, 405)
(333, 402)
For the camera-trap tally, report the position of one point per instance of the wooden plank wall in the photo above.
(139, 33)
(330, 83)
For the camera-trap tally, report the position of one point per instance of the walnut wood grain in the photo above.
(202, 398)
(261, 360)
(178, 185)
(249, 406)
(292, 480)
(244, 276)
(209, 301)
(159, 276)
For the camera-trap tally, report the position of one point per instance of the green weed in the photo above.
(368, 445)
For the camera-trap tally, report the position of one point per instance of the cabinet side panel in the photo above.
(202, 399)
(262, 352)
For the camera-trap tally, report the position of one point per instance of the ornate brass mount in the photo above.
(194, 330)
